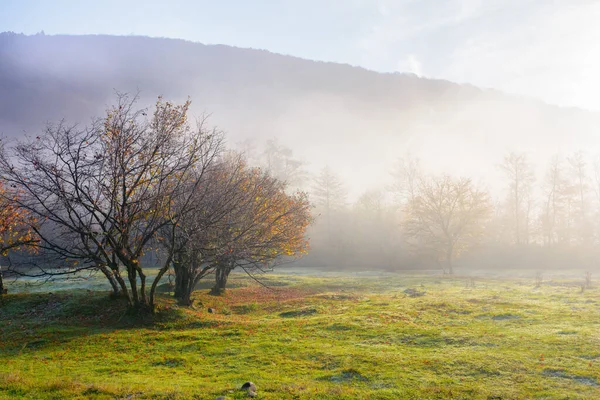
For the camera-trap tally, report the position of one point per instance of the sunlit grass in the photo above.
(323, 338)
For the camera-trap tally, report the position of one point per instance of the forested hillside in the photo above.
(355, 120)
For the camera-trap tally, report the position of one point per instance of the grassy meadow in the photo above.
(336, 336)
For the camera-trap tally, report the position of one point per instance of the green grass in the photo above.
(330, 337)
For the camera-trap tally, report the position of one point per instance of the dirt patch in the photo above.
(299, 313)
(505, 317)
(347, 375)
(262, 295)
(169, 362)
(338, 296)
(561, 373)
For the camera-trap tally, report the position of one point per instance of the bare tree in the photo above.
(521, 178)
(329, 196)
(280, 162)
(405, 178)
(555, 189)
(446, 217)
(597, 178)
(328, 191)
(580, 183)
(110, 188)
(52, 174)
(375, 229)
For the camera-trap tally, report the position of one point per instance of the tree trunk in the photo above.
(186, 279)
(115, 286)
(184, 284)
(139, 303)
(178, 283)
(2, 289)
(185, 299)
(131, 275)
(144, 299)
(449, 260)
(111, 279)
(154, 285)
(191, 279)
(182, 278)
(221, 276)
(123, 286)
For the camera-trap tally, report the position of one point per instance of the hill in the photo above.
(356, 120)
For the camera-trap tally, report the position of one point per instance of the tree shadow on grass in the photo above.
(38, 321)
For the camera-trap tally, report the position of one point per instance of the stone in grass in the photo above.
(250, 388)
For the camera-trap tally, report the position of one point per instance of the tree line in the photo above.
(428, 220)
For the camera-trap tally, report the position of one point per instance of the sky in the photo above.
(548, 49)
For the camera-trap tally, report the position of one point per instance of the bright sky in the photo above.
(548, 49)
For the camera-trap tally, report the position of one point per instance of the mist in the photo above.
(357, 123)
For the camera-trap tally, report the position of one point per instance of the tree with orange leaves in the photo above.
(269, 226)
(15, 227)
(242, 217)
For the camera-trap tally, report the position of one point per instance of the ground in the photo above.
(330, 337)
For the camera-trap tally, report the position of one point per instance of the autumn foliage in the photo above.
(242, 217)
(111, 193)
(15, 227)
(15, 223)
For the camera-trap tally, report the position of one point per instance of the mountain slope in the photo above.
(357, 121)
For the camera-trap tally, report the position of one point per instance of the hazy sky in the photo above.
(549, 49)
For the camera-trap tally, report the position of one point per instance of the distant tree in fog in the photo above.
(596, 184)
(405, 178)
(374, 231)
(556, 190)
(446, 217)
(597, 178)
(328, 191)
(280, 162)
(566, 211)
(579, 174)
(581, 185)
(328, 195)
(520, 201)
(371, 202)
